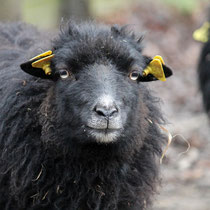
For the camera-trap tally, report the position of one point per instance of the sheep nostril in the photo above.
(106, 112)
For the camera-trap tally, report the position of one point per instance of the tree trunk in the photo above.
(76, 9)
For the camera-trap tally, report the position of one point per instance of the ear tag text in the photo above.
(201, 34)
(155, 67)
(43, 62)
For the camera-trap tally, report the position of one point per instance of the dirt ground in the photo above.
(185, 177)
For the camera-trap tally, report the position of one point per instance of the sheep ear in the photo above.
(39, 66)
(155, 70)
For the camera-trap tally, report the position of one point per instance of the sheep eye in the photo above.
(134, 75)
(64, 74)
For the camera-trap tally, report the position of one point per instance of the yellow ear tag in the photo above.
(159, 58)
(155, 68)
(43, 63)
(49, 52)
(201, 34)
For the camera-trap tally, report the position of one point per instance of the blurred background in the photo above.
(168, 26)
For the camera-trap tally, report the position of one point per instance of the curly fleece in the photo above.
(46, 165)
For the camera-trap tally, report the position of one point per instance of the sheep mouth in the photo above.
(104, 130)
(104, 135)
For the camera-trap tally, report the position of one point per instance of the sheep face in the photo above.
(98, 90)
(99, 101)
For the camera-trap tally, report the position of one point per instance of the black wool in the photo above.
(204, 74)
(86, 141)
(204, 68)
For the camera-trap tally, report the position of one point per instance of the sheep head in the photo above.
(98, 74)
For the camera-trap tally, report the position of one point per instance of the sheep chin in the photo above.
(105, 137)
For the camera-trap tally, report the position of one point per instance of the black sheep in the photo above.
(84, 134)
(203, 35)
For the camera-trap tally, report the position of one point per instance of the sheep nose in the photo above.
(106, 107)
(106, 111)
